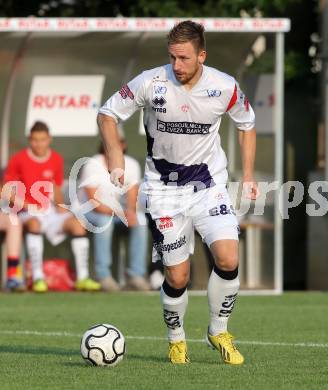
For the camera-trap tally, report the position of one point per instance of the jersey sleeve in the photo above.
(12, 172)
(59, 172)
(240, 110)
(126, 101)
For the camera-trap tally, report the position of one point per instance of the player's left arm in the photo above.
(59, 198)
(131, 207)
(242, 114)
(58, 180)
(247, 142)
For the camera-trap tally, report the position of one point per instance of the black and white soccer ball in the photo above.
(103, 345)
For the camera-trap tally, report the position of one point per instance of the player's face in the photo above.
(39, 142)
(186, 61)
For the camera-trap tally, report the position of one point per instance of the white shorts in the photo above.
(51, 223)
(209, 212)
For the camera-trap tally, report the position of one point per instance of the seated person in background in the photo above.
(95, 171)
(40, 170)
(10, 225)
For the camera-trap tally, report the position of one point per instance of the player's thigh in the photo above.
(218, 226)
(173, 239)
(72, 225)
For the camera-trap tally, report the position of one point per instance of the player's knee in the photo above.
(33, 225)
(74, 227)
(229, 262)
(178, 281)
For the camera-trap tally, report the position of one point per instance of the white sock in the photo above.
(34, 246)
(174, 310)
(221, 294)
(80, 249)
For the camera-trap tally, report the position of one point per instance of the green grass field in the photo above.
(283, 338)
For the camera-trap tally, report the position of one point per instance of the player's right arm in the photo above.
(113, 150)
(120, 106)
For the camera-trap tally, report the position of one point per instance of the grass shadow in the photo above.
(35, 350)
(149, 358)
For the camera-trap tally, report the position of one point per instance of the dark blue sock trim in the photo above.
(227, 275)
(172, 292)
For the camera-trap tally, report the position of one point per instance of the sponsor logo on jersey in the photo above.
(165, 223)
(160, 247)
(159, 102)
(158, 80)
(183, 127)
(160, 90)
(125, 92)
(246, 103)
(185, 108)
(213, 92)
(48, 174)
(244, 100)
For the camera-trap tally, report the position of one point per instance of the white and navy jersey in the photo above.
(183, 144)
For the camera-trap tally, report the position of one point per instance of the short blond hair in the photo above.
(188, 31)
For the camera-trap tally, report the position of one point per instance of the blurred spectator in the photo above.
(95, 172)
(11, 227)
(156, 275)
(39, 170)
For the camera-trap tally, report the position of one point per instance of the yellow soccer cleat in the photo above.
(223, 343)
(87, 285)
(40, 286)
(178, 352)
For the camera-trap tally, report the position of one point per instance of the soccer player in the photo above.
(186, 175)
(40, 170)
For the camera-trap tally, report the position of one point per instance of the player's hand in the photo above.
(250, 189)
(131, 217)
(117, 177)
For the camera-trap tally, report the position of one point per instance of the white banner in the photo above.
(142, 24)
(67, 104)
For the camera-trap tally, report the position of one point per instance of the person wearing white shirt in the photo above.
(99, 189)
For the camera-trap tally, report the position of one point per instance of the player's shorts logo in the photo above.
(160, 247)
(125, 92)
(165, 223)
(185, 108)
(222, 209)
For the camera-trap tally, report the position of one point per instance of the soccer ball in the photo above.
(103, 345)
